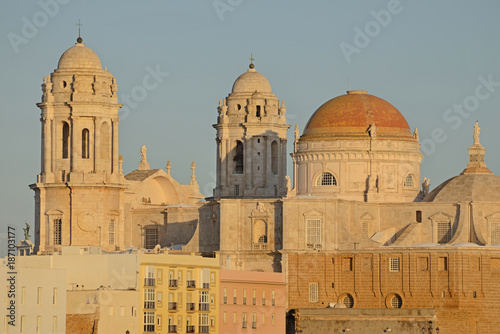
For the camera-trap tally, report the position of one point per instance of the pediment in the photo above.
(440, 216)
(367, 217)
(313, 213)
(494, 216)
(57, 213)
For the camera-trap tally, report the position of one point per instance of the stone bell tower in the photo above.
(251, 140)
(78, 194)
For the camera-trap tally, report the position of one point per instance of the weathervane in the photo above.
(79, 39)
(251, 61)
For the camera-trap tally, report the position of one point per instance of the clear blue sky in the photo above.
(428, 56)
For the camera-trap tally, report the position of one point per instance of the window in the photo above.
(236, 190)
(418, 217)
(272, 319)
(257, 113)
(326, 179)
(409, 182)
(57, 231)
(203, 323)
(149, 279)
(54, 296)
(273, 301)
(65, 140)
(159, 297)
(244, 296)
(254, 298)
(263, 318)
(22, 324)
(263, 297)
(158, 321)
(313, 292)
(203, 300)
(39, 296)
(396, 301)
(54, 324)
(212, 321)
(234, 317)
(254, 321)
(313, 233)
(225, 295)
(151, 237)
(274, 157)
(244, 320)
(224, 317)
(238, 158)
(394, 265)
(149, 321)
(495, 233)
(149, 298)
(347, 263)
(159, 274)
(348, 301)
(444, 232)
(38, 324)
(112, 232)
(85, 144)
(133, 311)
(235, 298)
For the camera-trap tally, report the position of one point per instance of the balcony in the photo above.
(149, 282)
(190, 307)
(172, 283)
(206, 285)
(244, 324)
(254, 324)
(259, 246)
(191, 284)
(172, 306)
(204, 307)
(172, 329)
(149, 305)
(202, 329)
(149, 328)
(189, 329)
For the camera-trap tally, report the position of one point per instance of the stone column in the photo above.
(75, 149)
(97, 144)
(46, 153)
(282, 164)
(248, 162)
(268, 172)
(114, 147)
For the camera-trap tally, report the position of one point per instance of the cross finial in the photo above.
(79, 39)
(251, 61)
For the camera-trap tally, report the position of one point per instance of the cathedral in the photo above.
(355, 226)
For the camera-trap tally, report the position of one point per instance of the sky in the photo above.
(438, 62)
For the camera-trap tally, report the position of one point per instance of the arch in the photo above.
(85, 143)
(396, 301)
(274, 157)
(259, 231)
(65, 140)
(409, 181)
(347, 300)
(326, 179)
(238, 158)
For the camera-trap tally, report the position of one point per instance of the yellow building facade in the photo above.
(179, 294)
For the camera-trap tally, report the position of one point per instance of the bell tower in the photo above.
(251, 140)
(78, 194)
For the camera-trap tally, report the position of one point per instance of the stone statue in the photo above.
(415, 134)
(260, 207)
(296, 132)
(27, 231)
(372, 183)
(144, 158)
(477, 130)
(288, 184)
(372, 130)
(425, 186)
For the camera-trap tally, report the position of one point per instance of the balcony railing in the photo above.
(259, 246)
(189, 329)
(206, 285)
(172, 329)
(172, 283)
(149, 328)
(149, 305)
(172, 306)
(254, 301)
(190, 306)
(254, 324)
(149, 282)
(202, 329)
(244, 324)
(191, 284)
(204, 307)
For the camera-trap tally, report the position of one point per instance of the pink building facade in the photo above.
(252, 302)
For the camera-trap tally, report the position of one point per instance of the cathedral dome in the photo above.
(467, 188)
(79, 57)
(250, 82)
(351, 115)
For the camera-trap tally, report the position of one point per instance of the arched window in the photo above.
(85, 144)
(65, 140)
(238, 158)
(326, 179)
(396, 301)
(274, 157)
(263, 239)
(348, 301)
(409, 182)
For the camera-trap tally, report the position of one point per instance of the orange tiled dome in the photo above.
(351, 115)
